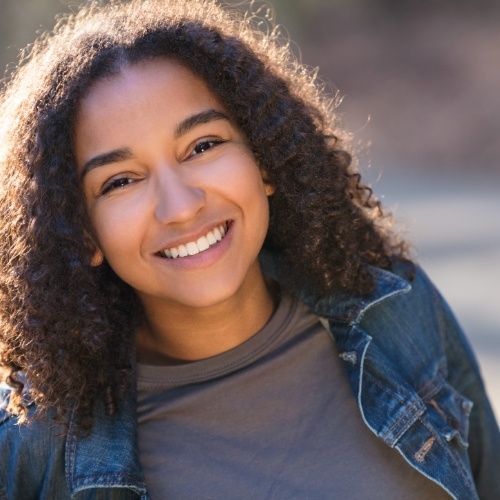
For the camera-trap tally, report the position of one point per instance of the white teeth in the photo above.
(200, 245)
(192, 248)
(211, 238)
(217, 234)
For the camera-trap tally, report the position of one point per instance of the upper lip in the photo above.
(192, 235)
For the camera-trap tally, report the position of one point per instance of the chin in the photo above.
(203, 298)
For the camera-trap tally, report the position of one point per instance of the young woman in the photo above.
(199, 296)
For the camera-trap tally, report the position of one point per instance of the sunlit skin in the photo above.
(162, 164)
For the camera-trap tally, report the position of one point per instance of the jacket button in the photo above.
(350, 356)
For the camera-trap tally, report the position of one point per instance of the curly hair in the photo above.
(68, 327)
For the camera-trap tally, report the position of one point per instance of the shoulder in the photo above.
(31, 454)
(39, 433)
(423, 337)
(418, 332)
(418, 314)
(422, 319)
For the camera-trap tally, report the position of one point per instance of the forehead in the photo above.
(143, 80)
(141, 98)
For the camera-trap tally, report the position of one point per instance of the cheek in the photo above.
(116, 228)
(254, 205)
(240, 176)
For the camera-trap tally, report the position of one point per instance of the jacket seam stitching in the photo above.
(412, 409)
(434, 385)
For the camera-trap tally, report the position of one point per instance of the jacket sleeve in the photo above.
(31, 459)
(464, 375)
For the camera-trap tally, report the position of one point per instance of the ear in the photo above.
(97, 258)
(269, 188)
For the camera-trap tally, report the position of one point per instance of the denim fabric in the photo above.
(410, 368)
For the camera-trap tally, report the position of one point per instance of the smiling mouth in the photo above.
(200, 245)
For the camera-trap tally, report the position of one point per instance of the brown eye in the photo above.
(116, 184)
(205, 145)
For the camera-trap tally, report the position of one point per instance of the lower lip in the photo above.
(203, 259)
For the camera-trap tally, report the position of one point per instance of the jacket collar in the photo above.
(340, 306)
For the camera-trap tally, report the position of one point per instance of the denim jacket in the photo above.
(410, 368)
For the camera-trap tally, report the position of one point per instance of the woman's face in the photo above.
(166, 173)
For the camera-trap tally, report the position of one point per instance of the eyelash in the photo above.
(116, 184)
(204, 142)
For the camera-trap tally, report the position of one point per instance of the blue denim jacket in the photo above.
(410, 368)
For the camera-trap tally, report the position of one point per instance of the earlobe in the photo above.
(97, 258)
(269, 189)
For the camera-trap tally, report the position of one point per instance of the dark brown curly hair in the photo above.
(67, 327)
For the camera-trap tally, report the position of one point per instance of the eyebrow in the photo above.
(207, 116)
(182, 128)
(115, 156)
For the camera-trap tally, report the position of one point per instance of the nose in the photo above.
(177, 198)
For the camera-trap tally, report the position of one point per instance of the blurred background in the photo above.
(420, 84)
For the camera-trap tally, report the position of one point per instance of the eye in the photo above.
(204, 145)
(118, 183)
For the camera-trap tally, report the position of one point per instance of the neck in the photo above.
(176, 333)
